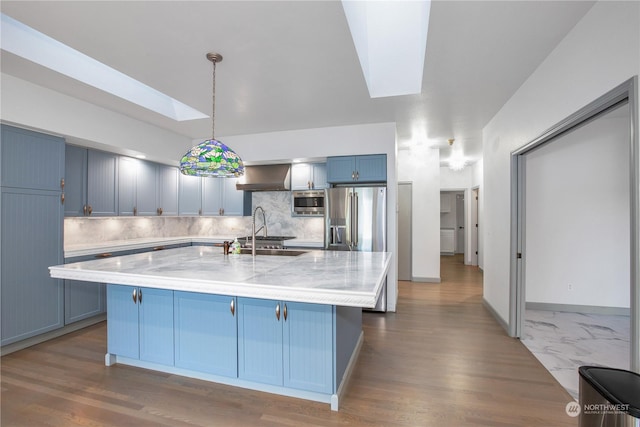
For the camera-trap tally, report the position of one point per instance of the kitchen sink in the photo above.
(277, 252)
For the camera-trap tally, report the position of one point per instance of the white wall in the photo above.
(421, 166)
(601, 52)
(577, 216)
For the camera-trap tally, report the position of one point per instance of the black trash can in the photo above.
(609, 397)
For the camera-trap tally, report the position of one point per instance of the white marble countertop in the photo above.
(323, 277)
(71, 251)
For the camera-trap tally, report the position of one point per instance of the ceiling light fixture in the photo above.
(212, 158)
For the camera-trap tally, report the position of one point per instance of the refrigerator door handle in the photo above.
(355, 221)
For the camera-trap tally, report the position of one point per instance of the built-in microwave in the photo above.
(307, 203)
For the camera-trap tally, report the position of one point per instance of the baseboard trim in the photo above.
(495, 315)
(21, 345)
(425, 279)
(574, 308)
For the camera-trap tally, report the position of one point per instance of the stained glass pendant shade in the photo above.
(212, 158)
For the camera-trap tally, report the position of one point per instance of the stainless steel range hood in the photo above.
(266, 178)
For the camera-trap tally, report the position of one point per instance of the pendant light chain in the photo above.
(213, 109)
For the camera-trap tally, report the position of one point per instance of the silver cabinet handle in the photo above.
(285, 312)
(135, 295)
(232, 306)
(278, 311)
(353, 175)
(159, 211)
(135, 211)
(357, 175)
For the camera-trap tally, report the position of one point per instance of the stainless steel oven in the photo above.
(307, 203)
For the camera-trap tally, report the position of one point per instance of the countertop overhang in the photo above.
(340, 278)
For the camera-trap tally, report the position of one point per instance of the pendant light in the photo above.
(212, 158)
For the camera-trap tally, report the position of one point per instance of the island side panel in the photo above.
(348, 331)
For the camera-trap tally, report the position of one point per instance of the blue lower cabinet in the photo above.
(206, 333)
(308, 347)
(122, 321)
(140, 323)
(260, 340)
(286, 343)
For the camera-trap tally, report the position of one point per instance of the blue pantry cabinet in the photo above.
(206, 333)
(31, 224)
(357, 169)
(140, 323)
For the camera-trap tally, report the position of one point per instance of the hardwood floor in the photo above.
(441, 360)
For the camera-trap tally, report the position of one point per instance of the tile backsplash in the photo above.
(276, 204)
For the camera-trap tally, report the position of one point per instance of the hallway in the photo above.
(441, 360)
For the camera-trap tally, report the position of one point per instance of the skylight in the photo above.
(37, 47)
(390, 38)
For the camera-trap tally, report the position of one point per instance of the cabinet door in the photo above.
(211, 196)
(168, 190)
(190, 195)
(146, 188)
(319, 176)
(122, 321)
(127, 175)
(206, 333)
(308, 348)
(156, 325)
(82, 300)
(341, 169)
(300, 176)
(232, 198)
(31, 226)
(102, 185)
(259, 341)
(75, 180)
(372, 168)
(31, 160)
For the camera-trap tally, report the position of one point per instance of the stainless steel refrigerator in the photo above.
(356, 220)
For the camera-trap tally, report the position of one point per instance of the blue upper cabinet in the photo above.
(75, 181)
(357, 169)
(167, 190)
(221, 198)
(137, 187)
(146, 188)
(308, 176)
(31, 160)
(189, 195)
(102, 183)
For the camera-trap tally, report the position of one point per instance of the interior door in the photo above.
(404, 230)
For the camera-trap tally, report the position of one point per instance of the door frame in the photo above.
(410, 184)
(626, 92)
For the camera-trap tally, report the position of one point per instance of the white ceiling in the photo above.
(292, 64)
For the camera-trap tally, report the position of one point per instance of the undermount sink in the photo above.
(278, 252)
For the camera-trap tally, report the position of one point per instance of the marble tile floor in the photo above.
(563, 341)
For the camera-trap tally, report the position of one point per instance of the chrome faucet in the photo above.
(254, 231)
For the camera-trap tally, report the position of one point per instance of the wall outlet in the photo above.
(570, 287)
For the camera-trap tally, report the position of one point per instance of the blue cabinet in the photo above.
(308, 347)
(102, 183)
(83, 299)
(190, 195)
(140, 323)
(357, 169)
(286, 343)
(206, 333)
(167, 190)
(75, 181)
(260, 340)
(308, 176)
(137, 187)
(31, 223)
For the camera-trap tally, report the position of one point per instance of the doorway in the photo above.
(551, 251)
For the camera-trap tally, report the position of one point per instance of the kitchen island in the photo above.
(282, 324)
